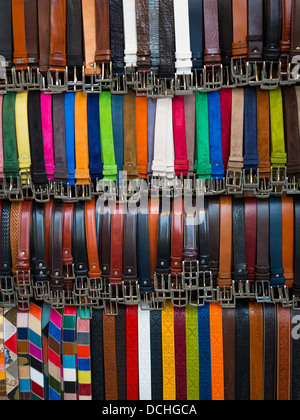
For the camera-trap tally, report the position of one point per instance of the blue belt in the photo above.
(215, 135)
(196, 31)
(277, 271)
(205, 387)
(70, 135)
(95, 165)
(118, 130)
(151, 132)
(250, 129)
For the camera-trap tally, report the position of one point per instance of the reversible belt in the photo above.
(278, 154)
(215, 135)
(110, 362)
(285, 44)
(250, 232)
(130, 34)
(240, 272)
(225, 30)
(89, 35)
(106, 237)
(255, 31)
(205, 388)
(192, 353)
(180, 353)
(256, 351)
(31, 29)
(163, 162)
(156, 355)
(143, 36)
(82, 173)
(143, 249)
(269, 352)
(38, 246)
(6, 36)
(84, 354)
(93, 116)
(229, 334)
(283, 353)
(153, 12)
(130, 261)
(44, 12)
(288, 240)
(277, 271)
(296, 247)
(242, 375)
(22, 133)
(177, 240)
(79, 244)
(132, 353)
(263, 132)
(55, 248)
(5, 252)
(292, 136)
(23, 355)
(217, 364)
(103, 53)
(54, 355)
(10, 152)
(212, 52)
(190, 125)
(116, 252)
(47, 130)
(97, 355)
(69, 353)
(273, 32)
(67, 257)
(59, 138)
(236, 160)
(38, 168)
(74, 34)
(225, 256)
(226, 99)
(203, 239)
(295, 38)
(69, 112)
(183, 53)
(166, 39)
(144, 349)
(141, 125)
(168, 353)
(263, 236)
(116, 36)
(196, 32)
(57, 55)
(240, 25)
(181, 163)
(214, 236)
(163, 263)
(19, 35)
(250, 130)
(107, 141)
(121, 354)
(36, 364)
(202, 163)
(130, 147)
(117, 111)
(151, 132)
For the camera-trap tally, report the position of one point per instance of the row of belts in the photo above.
(207, 353)
(72, 145)
(157, 47)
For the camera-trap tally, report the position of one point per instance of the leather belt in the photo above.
(1, 141)
(23, 355)
(93, 116)
(242, 376)
(74, 34)
(240, 25)
(177, 240)
(116, 253)
(57, 55)
(225, 30)
(215, 135)
(225, 256)
(79, 248)
(225, 100)
(10, 152)
(91, 240)
(67, 257)
(110, 362)
(5, 252)
(283, 353)
(180, 353)
(269, 352)
(44, 13)
(214, 236)
(183, 54)
(103, 53)
(179, 129)
(37, 383)
(151, 132)
(132, 353)
(48, 215)
(163, 263)
(166, 39)
(130, 34)
(240, 272)
(69, 353)
(144, 349)
(23, 261)
(11, 356)
(143, 36)
(22, 132)
(153, 232)
(250, 234)
(190, 125)
(263, 247)
(6, 36)
(250, 130)
(196, 32)
(121, 353)
(168, 353)
(273, 30)
(31, 30)
(97, 355)
(296, 290)
(47, 130)
(15, 216)
(116, 36)
(277, 271)
(130, 148)
(130, 252)
(19, 35)
(278, 154)
(255, 31)
(256, 351)
(105, 236)
(295, 40)
(82, 174)
(229, 334)
(141, 124)
(107, 142)
(59, 138)
(153, 6)
(202, 164)
(217, 364)
(288, 240)
(84, 355)
(236, 161)
(70, 135)
(54, 355)
(156, 355)
(203, 239)
(263, 133)
(89, 36)
(117, 110)
(285, 44)
(212, 52)
(38, 246)
(55, 249)
(143, 251)
(294, 358)
(205, 386)
(192, 353)
(46, 310)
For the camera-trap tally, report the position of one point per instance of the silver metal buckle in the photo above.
(264, 189)
(215, 186)
(41, 290)
(184, 84)
(12, 188)
(83, 192)
(190, 275)
(105, 77)
(74, 80)
(164, 88)
(9, 80)
(131, 292)
(251, 180)
(226, 297)
(119, 85)
(293, 187)
(22, 303)
(243, 289)
(143, 83)
(64, 192)
(162, 285)
(57, 299)
(279, 180)
(280, 294)
(269, 79)
(263, 291)
(23, 284)
(296, 303)
(239, 71)
(41, 195)
(152, 302)
(234, 182)
(254, 73)
(179, 295)
(111, 308)
(213, 78)
(30, 79)
(57, 82)
(7, 295)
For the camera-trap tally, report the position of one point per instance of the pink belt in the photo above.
(225, 97)
(181, 160)
(46, 111)
(1, 140)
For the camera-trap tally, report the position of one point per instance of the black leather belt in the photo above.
(156, 356)
(203, 242)
(255, 31)
(5, 250)
(239, 240)
(144, 254)
(214, 236)
(116, 36)
(242, 368)
(74, 34)
(121, 353)
(79, 245)
(55, 248)
(225, 30)
(262, 270)
(190, 250)
(166, 39)
(97, 356)
(269, 352)
(38, 245)
(6, 36)
(196, 32)
(130, 248)
(272, 25)
(163, 262)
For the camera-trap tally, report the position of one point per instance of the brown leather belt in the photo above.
(153, 230)
(225, 261)
(228, 316)
(57, 56)
(288, 240)
(67, 258)
(44, 8)
(89, 32)
(110, 358)
(20, 51)
(263, 133)
(103, 52)
(32, 31)
(256, 351)
(91, 239)
(240, 25)
(283, 353)
(212, 51)
(295, 37)
(285, 44)
(23, 261)
(130, 151)
(177, 239)
(116, 255)
(143, 36)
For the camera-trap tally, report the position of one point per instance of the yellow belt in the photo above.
(22, 134)
(168, 353)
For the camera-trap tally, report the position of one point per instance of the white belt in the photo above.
(182, 37)
(144, 355)
(130, 33)
(164, 155)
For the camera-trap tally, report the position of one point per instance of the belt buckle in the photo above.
(12, 189)
(198, 80)
(269, 79)
(9, 80)
(254, 70)
(86, 312)
(30, 79)
(83, 192)
(162, 285)
(57, 299)
(27, 187)
(105, 77)
(41, 290)
(293, 187)
(152, 302)
(226, 297)
(296, 303)
(23, 284)
(251, 180)
(80, 292)
(64, 192)
(7, 297)
(119, 85)
(213, 77)
(131, 292)
(243, 289)
(143, 83)
(239, 71)
(234, 182)
(57, 82)
(23, 304)
(179, 295)
(190, 275)
(264, 189)
(164, 88)
(40, 194)
(263, 291)
(204, 290)
(280, 294)
(228, 82)
(17, 80)
(95, 289)
(183, 84)
(279, 180)
(216, 186)
(74, 80)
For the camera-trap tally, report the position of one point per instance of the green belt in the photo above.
(192, 353)
(202, 164)
(110, 169)
(11, 162)
(278, 154)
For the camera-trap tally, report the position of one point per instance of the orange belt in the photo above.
(288, 240)
(141, 119)
(283, 353)
(82, 173)
(256, 351)
(20, 50)
(216, 340)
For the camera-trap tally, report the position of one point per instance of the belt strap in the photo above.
(295, 40)
(55, 248)
(296, 246)
(225, 30)
(269, 352)
(89, 35)
(163, 262)
(236, 161)
(196, 32)
(31, 30)
(1, 140)
(110, 362)
(212, 52)
(23, 355)
(273, 30)
(6, 35)
(180, 353)
(103, 53)
(205, 388)
(217, 363)
(163, 162)
(15, 215)
(70, 135)
(46, 310)
(283, 353)
(294, 356)
(97, 355)
(2, 358)
(177, 239)
(132, 353)
(47, 130)
(251, 240)
(203, 238)
(130, 147)
(81, 139)
(256, 351)
(121, 353)
(35, 353)
(153, 12)
(192, 353)
(143, 250)
(130, 34)
(94, 139)
(183, 52)
(48, 215)
(44, 14)
(292, 136)
(18, 20)
(168, 353)
(255, 35)
(84, 355)
(229, 334)
(74, 34)
(214, 236)
(11, 356)
(202, 164)
(181, 163)
(277, 271)
(116, 36)
(250, 130)
(79, 242)
(263, 132)
(153, 232)
(240, 272)
(38, 245)
(151, 132)
(285, 44)
(225, 100)
(143, 36)
(130, 261)
(242, 377)
(23, 261)
(107, 142)
(57, 56)
(105, 236)
(54, 355)
(69, 353)
(156, 355)
(22, 133)
(116, 253)
(225, 256)
(288, 240)
(59, 137)
(215, 135)
(144, 349)
(38, 168)
(240, 28)
(141, 124)
(263, 236)
(67, 257)
(166, 39)
(190, 126)
(5, 257)
(92, 249)
(117, 110)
